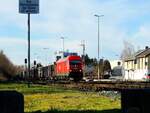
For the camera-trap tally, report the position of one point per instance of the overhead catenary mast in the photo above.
(83, 55)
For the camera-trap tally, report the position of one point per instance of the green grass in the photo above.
(23, 88)
(47, 99)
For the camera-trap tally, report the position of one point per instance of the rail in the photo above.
(104, 85)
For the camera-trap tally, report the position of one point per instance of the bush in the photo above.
(7, 69)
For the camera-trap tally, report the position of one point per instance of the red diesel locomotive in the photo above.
(70, 67)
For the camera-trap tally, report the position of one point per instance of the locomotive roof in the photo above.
(69, 58)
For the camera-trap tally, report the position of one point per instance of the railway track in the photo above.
(103, 85)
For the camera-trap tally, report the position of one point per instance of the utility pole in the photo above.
(29, 48)
(83, 55)
(63, 45)
(98, 65)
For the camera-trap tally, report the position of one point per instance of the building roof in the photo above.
(139, 54)
(144, 53)
(129, 58)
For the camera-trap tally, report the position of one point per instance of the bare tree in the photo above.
(128, 50)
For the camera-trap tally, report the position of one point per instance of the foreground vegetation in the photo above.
(54, 99)
(8, 70)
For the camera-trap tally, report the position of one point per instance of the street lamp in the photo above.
(98, 16)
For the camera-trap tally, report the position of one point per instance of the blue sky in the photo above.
(74, 19)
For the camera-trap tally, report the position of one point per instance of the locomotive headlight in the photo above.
(70, 70)
(80, 70)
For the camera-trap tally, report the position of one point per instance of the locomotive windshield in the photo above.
(75, 62)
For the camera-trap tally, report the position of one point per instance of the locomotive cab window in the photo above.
(74, 62)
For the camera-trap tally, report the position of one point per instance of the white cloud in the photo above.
(144, 32)
(142, 37)
(74, 19)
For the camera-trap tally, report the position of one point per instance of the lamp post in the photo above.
(98, 16)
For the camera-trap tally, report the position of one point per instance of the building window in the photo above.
(135, 61)
(127, 65)
(138, 62)
(146, 63)
(133, 64)
(141, 63)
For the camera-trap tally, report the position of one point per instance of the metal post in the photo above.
(63, 46)
(29, 49)
(83, 58)
(98, 65)
(84, 51)
(98, 49)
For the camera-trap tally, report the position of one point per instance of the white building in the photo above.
(114, 63)
(138, 66)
